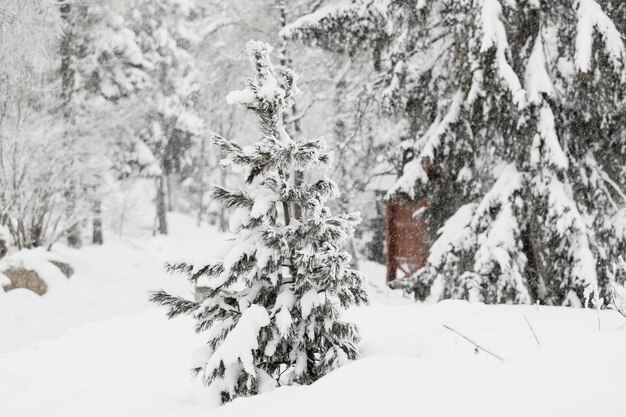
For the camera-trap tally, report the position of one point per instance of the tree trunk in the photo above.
(74, 232)
(74, 238)
(285, 61)
(98, 235)
(200, 181)
(36, 231)
(67, 87)
(4, 246)
(170, 193)
(161, 204)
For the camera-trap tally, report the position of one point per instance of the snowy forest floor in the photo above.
(95, 347)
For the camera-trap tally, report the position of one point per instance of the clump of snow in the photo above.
(245, 96)
(547, 140)
(537, 80)
(37, 260)
(270, 90)
(241, 341)
(456, 231)
(146, 159)
(309, 301)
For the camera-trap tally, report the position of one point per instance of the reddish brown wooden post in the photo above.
(390, 255)
(406, 239)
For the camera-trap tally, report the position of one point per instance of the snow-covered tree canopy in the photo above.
(516, 112)
(272, 305)
(29, 35)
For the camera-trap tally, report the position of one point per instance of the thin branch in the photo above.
(621, 307)
(532, 330)
(476, 345)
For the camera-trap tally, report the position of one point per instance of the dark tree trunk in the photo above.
(4, 247)
(161, 204)
(170, 193)
(67, 87)
(36, 233)
(97, 233)
(74, 238)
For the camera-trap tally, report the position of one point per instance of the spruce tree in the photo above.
(273, 306)
(517, 140)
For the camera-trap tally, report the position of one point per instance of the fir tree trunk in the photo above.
(161, 204)
(292, 112)
(97, 233)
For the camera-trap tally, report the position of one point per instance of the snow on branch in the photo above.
(241, 341)
(569, 222)
(427, 146)
(537, 80)
(456, 232)
(591, 16)
(494, 35)
(497, 235)
(546, 144)
(342, 25)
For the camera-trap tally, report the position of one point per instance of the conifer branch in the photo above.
(175, 305)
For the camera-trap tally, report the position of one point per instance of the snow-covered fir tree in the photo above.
(167, 36)
(273, 304)
(516, 121)
(110, 72)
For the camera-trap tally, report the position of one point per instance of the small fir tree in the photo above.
(273, 305)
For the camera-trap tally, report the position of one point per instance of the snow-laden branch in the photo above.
(591, 16)
(494, 35)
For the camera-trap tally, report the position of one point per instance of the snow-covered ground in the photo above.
(95, 347)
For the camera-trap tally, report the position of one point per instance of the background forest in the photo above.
(506, 118)
(96, 95)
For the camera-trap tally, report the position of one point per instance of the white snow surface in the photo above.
(37, 260)
(96, 347)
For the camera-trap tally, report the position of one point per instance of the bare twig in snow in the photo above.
(476, 345)
(532, 330)
(618, 302)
